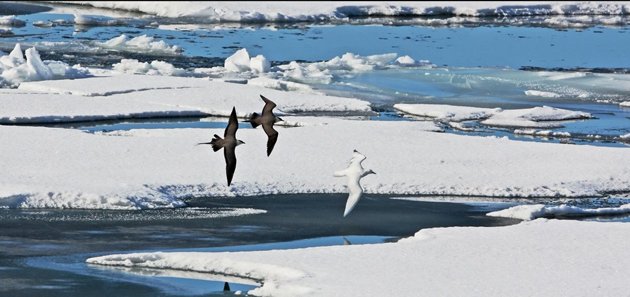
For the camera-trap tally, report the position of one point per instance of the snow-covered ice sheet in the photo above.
(143, 96)
(537, 258)
(533, 211)
(328, 11)
(47, 167)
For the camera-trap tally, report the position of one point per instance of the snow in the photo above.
(530, 212)
(18, 67)
(518, 260)
(143, 44)
(536, 117)
(129, 170)
(237, 11)
(625, 104)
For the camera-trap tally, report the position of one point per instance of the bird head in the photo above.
(239, 142)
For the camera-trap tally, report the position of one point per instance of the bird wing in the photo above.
(272, 135)
(230, 162)
(340, 173)
(353, 198)
(232, 125)
(269, 105)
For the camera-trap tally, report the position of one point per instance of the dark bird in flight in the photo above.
(267, 119)
(229, 144)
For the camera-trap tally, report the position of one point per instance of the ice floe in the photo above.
(96, 20)
(11, 21)
(143, 44)
(534, 211)
(133, 66)
(137, 96)
(536, 117)
(159, 168)
(523, 258)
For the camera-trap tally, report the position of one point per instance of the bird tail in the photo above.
(214, 143)
(252, 119)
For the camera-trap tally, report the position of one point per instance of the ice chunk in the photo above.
(133, 66)
(259, 64)
(143, 43)
(238, 62)
(11, 21)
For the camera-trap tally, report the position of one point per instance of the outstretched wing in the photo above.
(269, 105)
(232, 124)
(272, 137)
(353, 198)
(230, 162)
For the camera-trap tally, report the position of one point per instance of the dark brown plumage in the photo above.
(229, 144)
(267, 119)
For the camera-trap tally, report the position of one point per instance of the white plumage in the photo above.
(354, 172)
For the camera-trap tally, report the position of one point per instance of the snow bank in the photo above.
(530, 212)
(18, 67)
(518, 260)
(536, 117)
(143, 44)
(339, 11)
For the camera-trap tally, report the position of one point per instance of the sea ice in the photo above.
(518, 260)
(536, 117)
(529, 212)
(18, 67)
(143, 43)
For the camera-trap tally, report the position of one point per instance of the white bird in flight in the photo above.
(354, 172)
